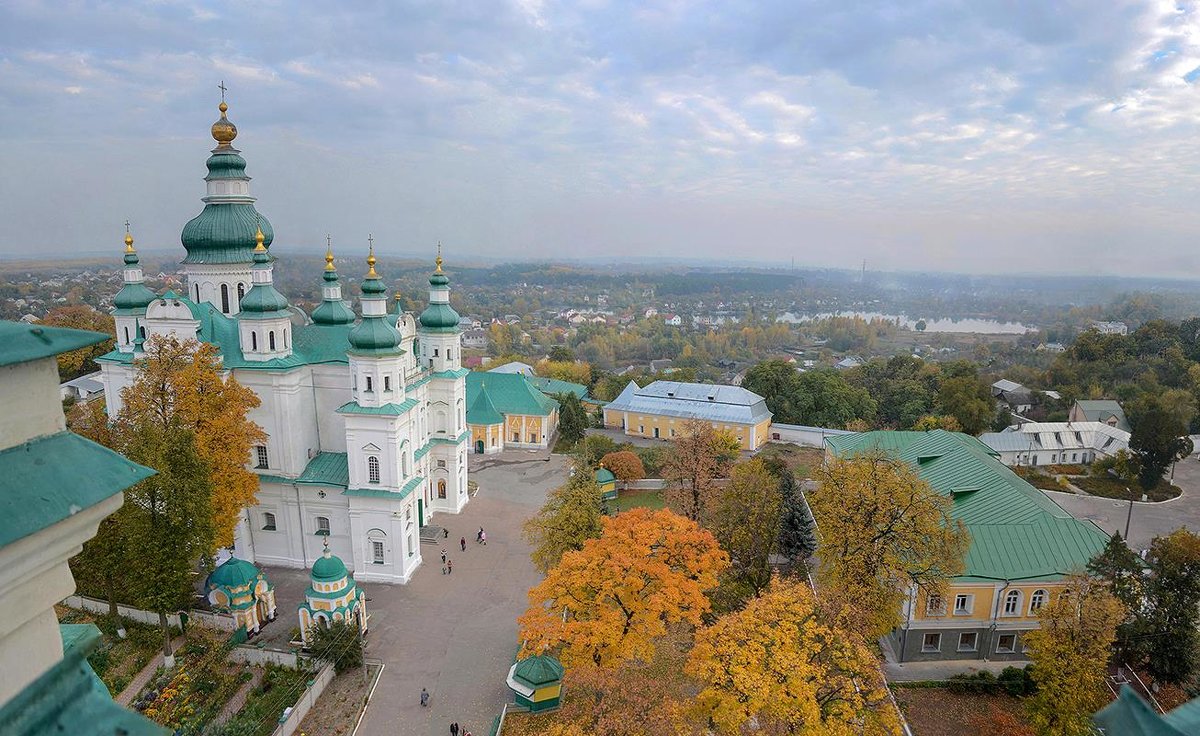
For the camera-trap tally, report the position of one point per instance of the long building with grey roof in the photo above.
(661, 409)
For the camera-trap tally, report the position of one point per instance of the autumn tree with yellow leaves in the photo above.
(1070, 652)
(609, 602)
(883, 530)
(179, 385)
(785, 664)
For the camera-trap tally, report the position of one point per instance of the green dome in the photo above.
(133, 296)
(233, 573)
(226, 165)
(329, 568)
(224, 233)
(439, 318)
(333, 313)
(439, 279)
(604, 475)
(539, 671)
(264, 301)
(373, 286)
(374, 334)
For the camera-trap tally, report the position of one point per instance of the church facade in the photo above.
(365, 413)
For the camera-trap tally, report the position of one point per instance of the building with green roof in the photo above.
(364, 411)
(1131, 715)
(57, 489)
(507, 410)
(332, 596)
(1023, 545)
(536, 682)
(242, 590)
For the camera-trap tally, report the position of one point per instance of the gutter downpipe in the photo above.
(300, 521)
(996, 616)
(912, 601)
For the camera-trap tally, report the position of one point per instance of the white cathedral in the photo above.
(366, 417)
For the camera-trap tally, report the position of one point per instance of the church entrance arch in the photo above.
(441, 488)
(478, 447)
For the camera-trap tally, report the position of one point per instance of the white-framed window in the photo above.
(372, 469)
(387, 383)
(377, 552)
(935, 605)
(260, 456)
(963, 603)
(931, 642)
(441, 463)
(241, 291)
(1037, 600)
(1012, 603)
(368, 384)
(323, 525)
(968, 641)
(271, 339)
(253, 340)
(1006, 643)
(268, 521)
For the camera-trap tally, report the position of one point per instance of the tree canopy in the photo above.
(570, 517)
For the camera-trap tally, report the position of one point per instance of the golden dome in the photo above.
(259, 238)
(371, 262)
(128, 242)
(438, 260)
(223, 131)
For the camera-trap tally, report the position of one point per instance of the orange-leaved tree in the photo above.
(608, 602)
(785, 664)
(690, 468)
(626, 465)
(180, 384)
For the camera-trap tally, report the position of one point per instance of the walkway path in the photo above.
(142, 678)
(239, 698)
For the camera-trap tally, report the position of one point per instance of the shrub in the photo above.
(978, 682)
(652, 460)
(1013, 680)
(626, 465)
(338, 643)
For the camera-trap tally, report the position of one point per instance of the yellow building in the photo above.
(1023, 545)
(506, 410)
(661, 409)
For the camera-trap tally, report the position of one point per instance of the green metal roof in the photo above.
(352, 407)
(482, 411)
(234, 573)
(406, 489)
(451, 440)
(538, 671)
(439, 318)
(51, 478)
(333, 312)
(551, 386)
(224, 233)
(329, 567)
(1129, 715)
(69, 698)
(456, 373)
(1017, 532)
(21, 343)
(604, 475)
(135, 296)
(422, 451)
(326, 469)
(510, 393)
(375, 336)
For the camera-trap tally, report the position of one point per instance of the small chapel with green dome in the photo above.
(365, 410)
(331, 596)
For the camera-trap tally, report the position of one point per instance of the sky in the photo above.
(973, 136)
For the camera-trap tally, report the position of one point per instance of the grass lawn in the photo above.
(939, 712)
(802, 460)
(637, 499)
(1109, 487)
(1038, 479)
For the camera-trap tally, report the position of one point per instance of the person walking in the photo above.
(449, 566)
(443, 557)
(445, 533)
(454, 728)
(483, 538)
(479, 536)
(462, 542)
(424, 698)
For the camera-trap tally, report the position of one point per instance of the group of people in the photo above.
(447, 563)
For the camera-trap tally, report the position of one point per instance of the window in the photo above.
(241, 292)
(377, 552)
(142, 331)
(268, 521)
(1053, 459)
(532, 438)
(260, 456)
(442, 488)
(1074, 456)
(387, 383)
(368, 384)
(967, 641)
(935, 606)
(516, 436)
(323, 525)
(254, 341)
(1037, 600)
(1006, 643)
(271, 340)
(372, 469)
(962, 604)
(435, 352)
(656, 433)
(196, 290)
(441, 463)
(126, 335)
(931, 643)
(224, 298)
(1012, 603)
(641, 429)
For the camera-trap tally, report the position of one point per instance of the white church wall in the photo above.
(331, 389)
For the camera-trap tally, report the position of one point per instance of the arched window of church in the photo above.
(271, 339)
(441, 488)
(196, 292)
(126, 335)
(142, 331)
(435, 352)
(225, 298)
(254, 341)
(372, 469)
(285, 334)
(241, 291)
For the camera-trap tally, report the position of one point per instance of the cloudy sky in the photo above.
(967, 136)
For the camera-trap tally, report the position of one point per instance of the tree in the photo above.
(797, 530)
(1157, 439)
(608, 602)
(1121, 570)
(965, 396)
(632, 700)
(781, 662)
(102, 565)
(883, 530)
(179, 384)
(339, 643)
(81, 317)
(167, 519)
(920, 325)
(624, 464)
(1070, 652)
(689, 470)
(931, 421)
(1168, 635)
(569, 371)
(746, 519)
(561, 354)
(820, 398)
(572, 418)
(570, 517)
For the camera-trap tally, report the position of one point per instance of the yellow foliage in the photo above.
(81, 317)
(608, 602)
(570, 371)
(781, 662)
(1070, 654)
(882, 531)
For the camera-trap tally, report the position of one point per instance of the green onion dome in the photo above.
(263, 300)
(233, 573)
(439, 318)
(221, 233)
(374, 333)
(133, 295)
(332, 311)
(329, 568)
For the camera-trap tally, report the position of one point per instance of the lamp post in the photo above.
(1129, 514)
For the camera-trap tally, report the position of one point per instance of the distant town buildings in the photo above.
(1110, 328)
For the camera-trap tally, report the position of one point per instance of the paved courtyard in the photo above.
(1149, 520)
(454, 635)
